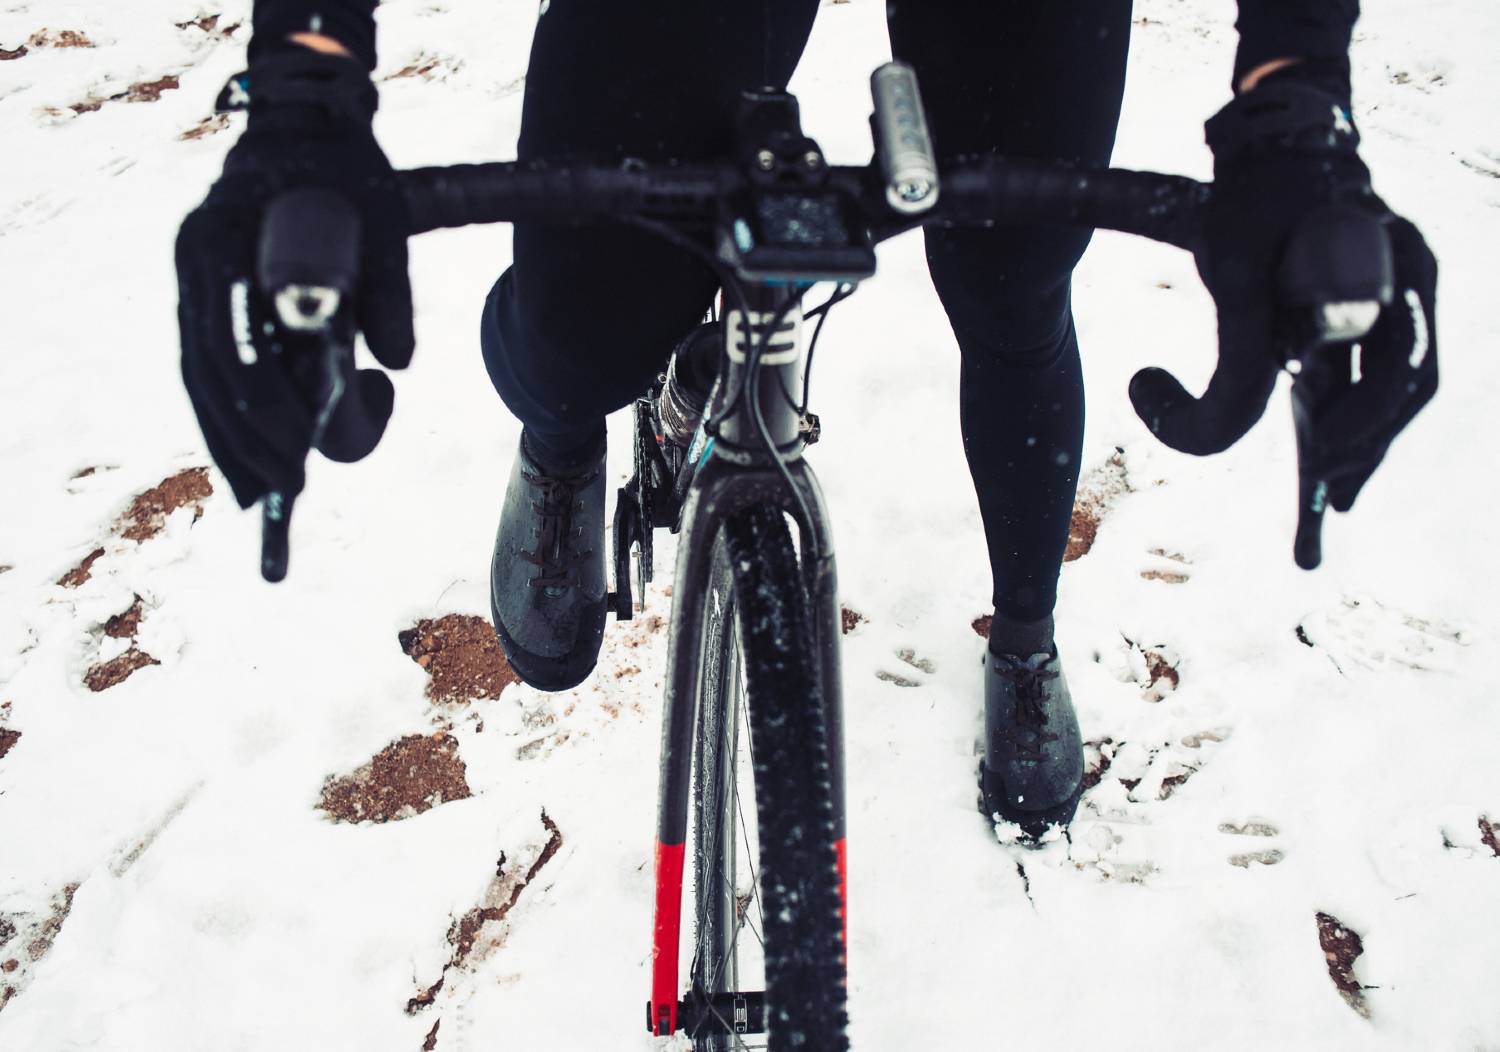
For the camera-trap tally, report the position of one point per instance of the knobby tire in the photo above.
(760, 680)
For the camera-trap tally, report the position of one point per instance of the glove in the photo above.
(1294, 240)
(265, 394)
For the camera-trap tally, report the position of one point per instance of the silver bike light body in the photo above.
(903, 144)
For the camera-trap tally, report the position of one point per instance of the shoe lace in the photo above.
(1030, 733)
(554, 556)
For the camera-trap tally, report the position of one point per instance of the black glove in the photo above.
(265, 394)
(1293, 234)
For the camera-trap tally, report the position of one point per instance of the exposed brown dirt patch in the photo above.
(47, 932)
(209, 24)
(1161, 670)
(117, 670)
(59, 38)
(1082, 529)
(1489, 831)
(476, 927)
(210, 125)
(8, 56)
(981, 625)
(8, 739)
(1341, 947)
(1172, 782)
(409, 776)
(1099, 754)
(1157, 671)
(505, 891)
(27, 938)
(427, 67)
(141, 91)
(150, 90)
(125, 625)
(148, 512)
(849, 619)
(80, 573)
(1097, 493)
(431, 1042)
(461, 654)
(1166, 576)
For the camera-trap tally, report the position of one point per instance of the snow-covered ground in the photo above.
(1319, 760)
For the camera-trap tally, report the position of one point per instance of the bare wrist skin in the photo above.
(1265, 69)
(322, 44)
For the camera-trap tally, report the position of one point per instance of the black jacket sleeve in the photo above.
(350, 22)
(1311, 29)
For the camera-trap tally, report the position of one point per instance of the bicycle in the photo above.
(752, 700)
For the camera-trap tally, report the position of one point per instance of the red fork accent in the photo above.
(841, 851)
(666, 938)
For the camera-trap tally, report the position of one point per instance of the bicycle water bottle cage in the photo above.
(789, 223)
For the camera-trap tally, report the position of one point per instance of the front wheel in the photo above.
(766, 883)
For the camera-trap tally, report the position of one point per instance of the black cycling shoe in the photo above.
(1032, 772)
(547, 587)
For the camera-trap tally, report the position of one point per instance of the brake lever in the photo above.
(1334, 278)
(308, 263)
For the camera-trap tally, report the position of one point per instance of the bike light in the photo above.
(902, 142)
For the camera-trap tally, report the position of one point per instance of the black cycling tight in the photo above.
(582, 321)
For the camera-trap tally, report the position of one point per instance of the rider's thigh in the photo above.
(585, 317)
(1025, 79)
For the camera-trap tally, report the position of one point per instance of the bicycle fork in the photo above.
(734, 477)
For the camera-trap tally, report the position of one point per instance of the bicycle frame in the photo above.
(733, 473)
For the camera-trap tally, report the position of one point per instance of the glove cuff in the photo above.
(296, 77)
(1282, 115)
(350, 22)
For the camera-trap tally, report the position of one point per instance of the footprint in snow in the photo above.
(1255, 827)
(1363, 633)
(1168, 567)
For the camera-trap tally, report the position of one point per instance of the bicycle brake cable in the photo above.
(821, 312)
(754, 348)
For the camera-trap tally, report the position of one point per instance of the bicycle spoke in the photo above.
(750, 851)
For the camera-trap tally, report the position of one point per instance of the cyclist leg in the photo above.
(584, 318)
(1029, 80)
(1032, 80)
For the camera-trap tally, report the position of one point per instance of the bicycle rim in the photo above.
(760, 769)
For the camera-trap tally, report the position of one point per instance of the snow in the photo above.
(217, 908)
